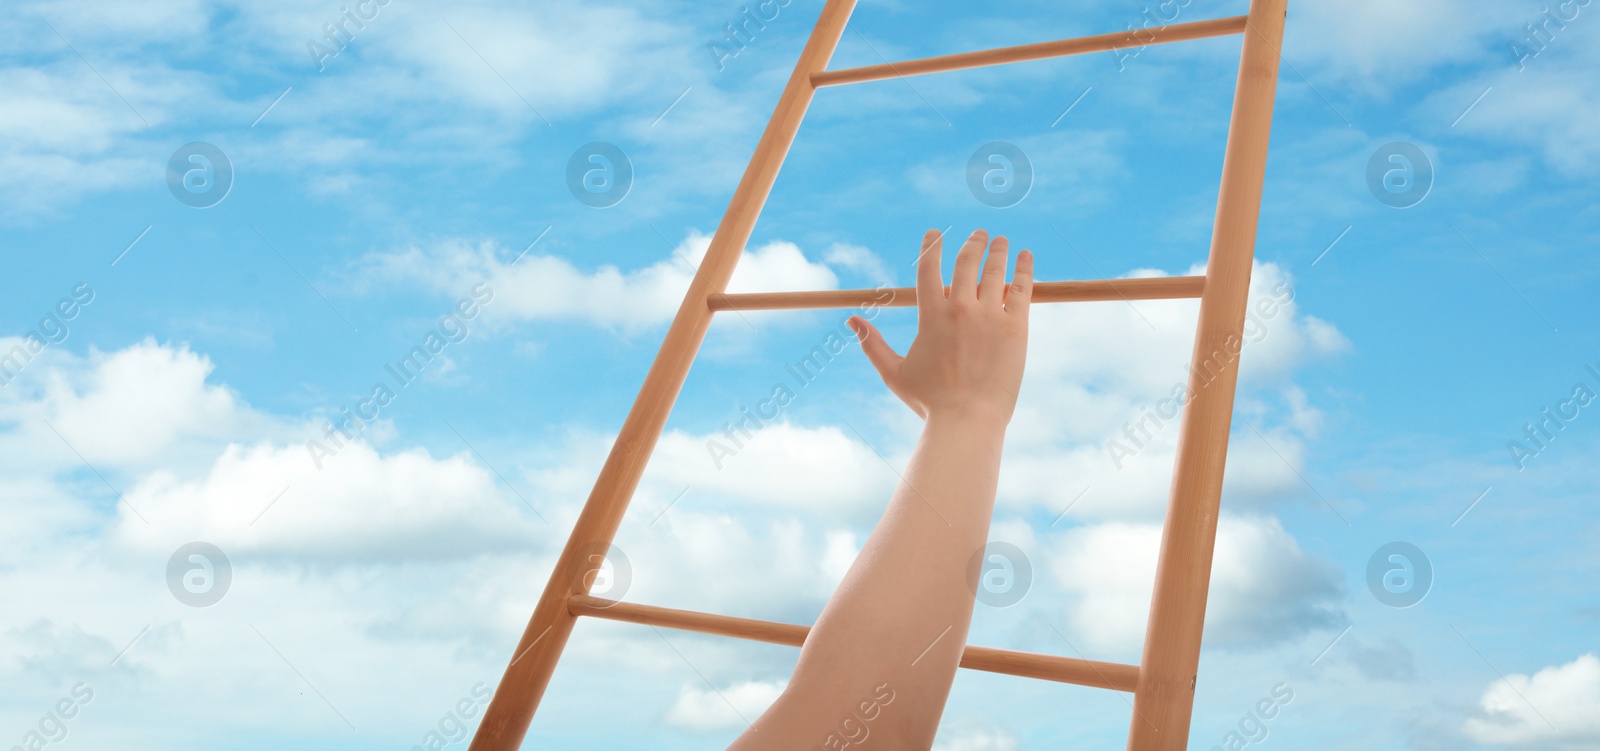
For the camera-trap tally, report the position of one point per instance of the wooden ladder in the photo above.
(1163, 683)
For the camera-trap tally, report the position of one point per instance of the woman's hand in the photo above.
(966, 362)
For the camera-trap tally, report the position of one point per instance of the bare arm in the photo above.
(877, 667)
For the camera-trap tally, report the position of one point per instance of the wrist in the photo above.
(969, 419)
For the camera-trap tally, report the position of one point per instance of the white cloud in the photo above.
(1537, 93)
(1113, 368)
(1544, 107)
(1555, 708)
(134, 404)
(343, 630)
(821, 470)
(64, 135)
(549, 287)
(142, 20)
(197, 463)
(776, 541)
(778, 569)
(860, 260)
(1264, 588)
(731, 707)
(839, 555)
(1145, 346)
(603, 53)
(406, 75)
(270, 501)
(140, 407)
(378, 553)
(1374, 43)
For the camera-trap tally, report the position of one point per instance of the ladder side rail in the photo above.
(517, 696)
(1164, 702)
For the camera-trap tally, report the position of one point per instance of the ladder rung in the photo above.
(1149, 288)
(1026, 664)
(1080, 45)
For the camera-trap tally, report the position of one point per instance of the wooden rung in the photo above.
(1026, 664)
(1077, 46)
(1150, 288)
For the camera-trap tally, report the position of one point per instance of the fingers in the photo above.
(1021, 293)
(991, 289)
(930, 278)
(883, 357)
(964, 281)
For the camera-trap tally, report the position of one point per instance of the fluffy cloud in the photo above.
(142, 20)
(821, 470)
(406, 88)
(63, 136)
(132, 406)
(549, 287)
(191, 461)
(1264, 588)
(860, 260)
(700, 709)
(1373, 43)
(1536, 90)
(778, 569)
(1107, 421)
(376, 552)
(1542, 107)
(270, 501)
(1555, 708)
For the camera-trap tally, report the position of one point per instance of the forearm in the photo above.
(877, 667)
(900, 617)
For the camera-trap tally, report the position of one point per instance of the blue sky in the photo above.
(428, 162)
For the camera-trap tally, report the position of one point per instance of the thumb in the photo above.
(883, 357)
